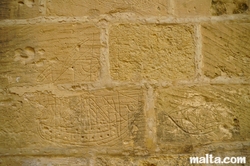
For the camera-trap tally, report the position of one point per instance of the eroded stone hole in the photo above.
(240, 8)
(218, 7)
(21, 3)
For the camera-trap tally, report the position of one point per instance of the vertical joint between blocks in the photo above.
(104, 58)
(198, 51)
(150, 120)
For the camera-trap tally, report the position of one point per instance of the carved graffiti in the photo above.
(81, 64)
(192, 116)
(98, 118)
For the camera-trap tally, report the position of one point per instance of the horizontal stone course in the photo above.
(107, 118)
(193, 8)
(94, 8)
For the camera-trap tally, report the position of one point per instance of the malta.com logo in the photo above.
(210, 159)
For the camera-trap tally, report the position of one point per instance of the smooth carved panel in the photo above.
(203, 114)
(97, 7)
(54, 53)
(152, 52)
(95, 118)
(226, 49)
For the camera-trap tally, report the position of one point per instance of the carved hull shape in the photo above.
(89, 119)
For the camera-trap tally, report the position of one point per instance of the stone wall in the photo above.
(123, 82)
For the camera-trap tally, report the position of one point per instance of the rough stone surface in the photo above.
(56, 53)
(145, 161)
(151, 52)
(221, 7)
(16, 9)
(96, 7)
(192, 7)
(123, 82)
(42, 161)
(202, 115)
(226, 49)
(94, 118)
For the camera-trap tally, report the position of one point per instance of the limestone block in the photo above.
(42, 161)
(97, 7)
(18, 127)
(4, 82)
(171, 160)
(202, 115)
(53, 53)
(192, 7)
(113, 161)
(91, 119)
(226, 49)
(15, 9)
(152, 52)
(220, 7)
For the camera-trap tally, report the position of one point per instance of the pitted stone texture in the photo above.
(152, 52)
(18, 127)
(53, 53)
(96, 7)
(202, 114)
(93, 118)
(226, 49)
(15, 9)
(192, 7)
(220, 7)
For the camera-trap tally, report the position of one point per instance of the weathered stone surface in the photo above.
(170, 160)
(97, 7)
(220, 7)
(202, 114)
(165, 160)
(119, 82)
(18, 127)
(15, 9)
(54, 53)
(42, 161)
(152, 52)
(95, 118)
(226, 49)
(192, 7)
(4, 82)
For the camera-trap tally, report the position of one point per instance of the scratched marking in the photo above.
(89, 119)
(79, 66)
(194, 117)
(54, 53)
